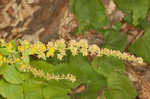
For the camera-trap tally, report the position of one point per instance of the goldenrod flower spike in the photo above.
(41, 50)
(47, 76)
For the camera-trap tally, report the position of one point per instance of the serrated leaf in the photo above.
(118, 87)
(13, 76)
(115, 40)
(10, 91)
(105, 65)
(134, 7)
(90, 14)
(81, 69)
(141, 47)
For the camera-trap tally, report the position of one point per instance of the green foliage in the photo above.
(55, 92)
(13, 76)
(4, 51)
(114, 39)
(10, 91)
(107, 65)
(118, 86)
(43, 65)
(84, 73)
(3, 68)
(90, 14)
(141, 46)
(32, 89)
(137, 8)
(104, 72)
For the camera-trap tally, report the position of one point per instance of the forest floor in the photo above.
(46, 20)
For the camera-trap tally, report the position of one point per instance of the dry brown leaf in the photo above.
(81, 88)
(115, 15)
(145, 91)
(67, 24)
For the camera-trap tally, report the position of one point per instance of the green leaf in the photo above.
(10, 91)
(43, 65)
(3, 68)
(141, 47)
(105, 65)
(137, 8)
(84, 73)
(33, 89)
(13, 42)
(55, 92)
(90, 14)
(115, 40)
(13, 76)
(118, 87)
(4, 51)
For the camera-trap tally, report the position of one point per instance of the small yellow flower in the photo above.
(9, 47)
(2, 59)
(21, 49)
(23, 66)
(50, 52)
(42, 47)
(33, 49)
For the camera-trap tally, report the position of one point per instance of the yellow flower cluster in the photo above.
(41, 50)
(47, 76)
(51, 49)
(24, 46)
(9, 46)
(60, 46)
